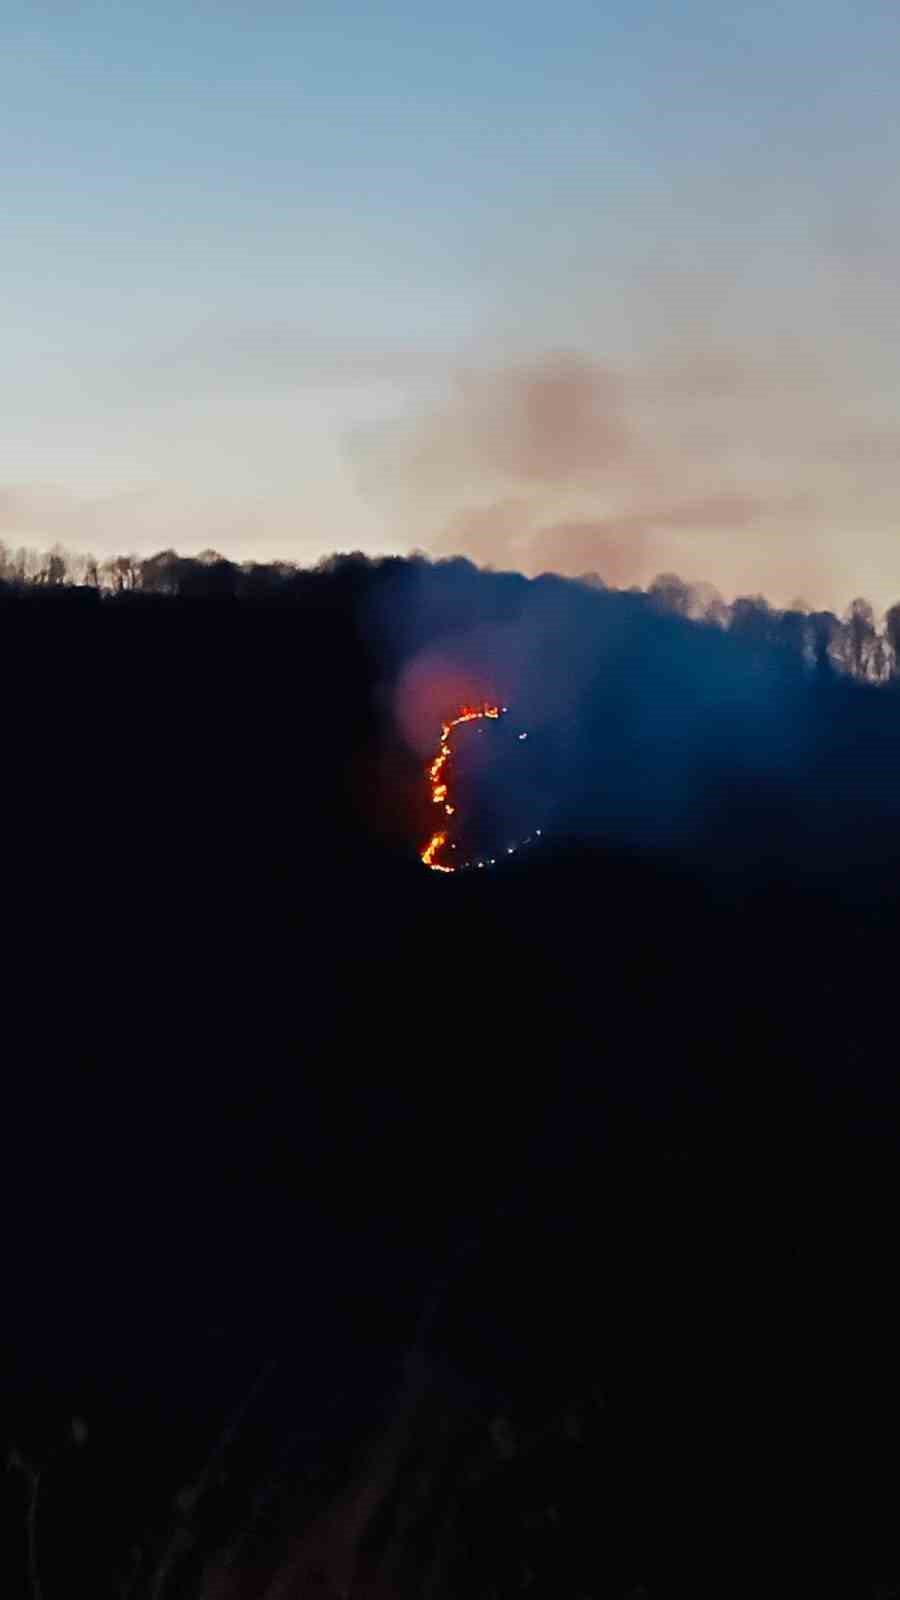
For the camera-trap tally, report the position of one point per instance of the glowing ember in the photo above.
(437, 777)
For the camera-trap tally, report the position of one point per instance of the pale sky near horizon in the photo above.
(602, 287)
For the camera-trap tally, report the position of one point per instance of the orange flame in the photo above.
(437, 780)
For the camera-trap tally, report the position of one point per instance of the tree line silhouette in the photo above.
(855, 642)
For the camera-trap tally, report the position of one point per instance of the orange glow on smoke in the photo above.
(437, 777)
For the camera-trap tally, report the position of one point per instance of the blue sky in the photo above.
(249, 249)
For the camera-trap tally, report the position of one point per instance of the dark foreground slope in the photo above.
(266, 1075)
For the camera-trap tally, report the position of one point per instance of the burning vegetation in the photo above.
(438, 778)
(439, 788)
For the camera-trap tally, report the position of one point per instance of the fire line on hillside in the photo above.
(439, 788)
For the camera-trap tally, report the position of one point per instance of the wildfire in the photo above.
(437, 777)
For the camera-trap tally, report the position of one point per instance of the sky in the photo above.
(579, 287)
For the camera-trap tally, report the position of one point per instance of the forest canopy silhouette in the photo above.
(665, 719)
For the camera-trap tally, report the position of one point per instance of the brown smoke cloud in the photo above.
(758, 453)
(753, 466)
